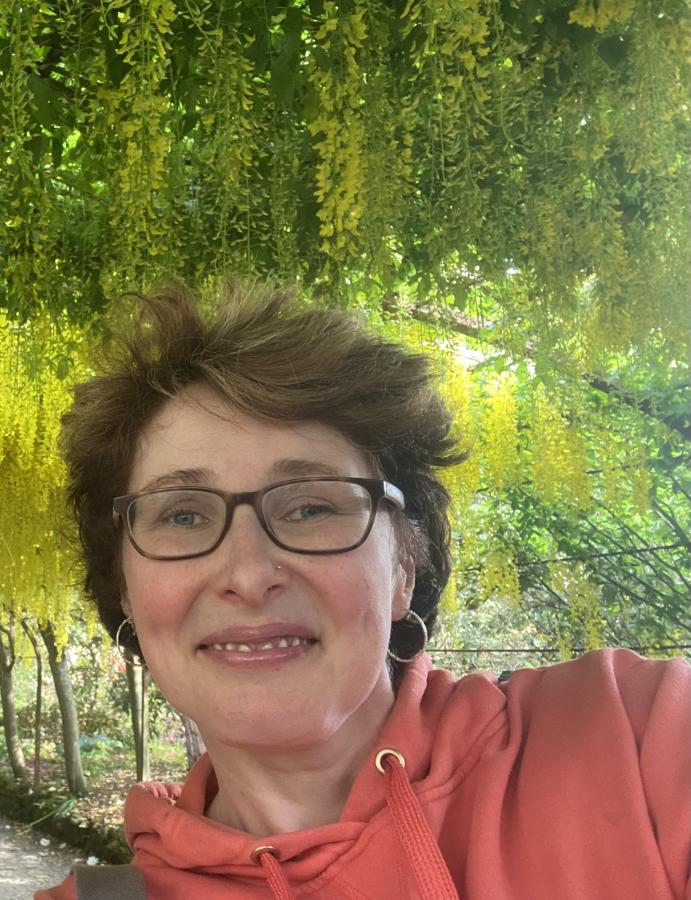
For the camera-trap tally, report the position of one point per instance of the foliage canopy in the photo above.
(431, 146)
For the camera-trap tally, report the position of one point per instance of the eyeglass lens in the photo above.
(305, 515)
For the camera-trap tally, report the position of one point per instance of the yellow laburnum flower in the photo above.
(36, 570)
(564, 642)
(338, 131)
(463, 480)
(499, 577)
(558, 454)
(571, 582)
(500, 433)
(457, 390)
(449, 598)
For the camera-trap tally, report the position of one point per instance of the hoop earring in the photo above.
(412, 616)
(130, 658)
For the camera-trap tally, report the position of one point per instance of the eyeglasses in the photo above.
(318, 515)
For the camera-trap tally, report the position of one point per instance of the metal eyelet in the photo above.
(264, 848)
(381, 756)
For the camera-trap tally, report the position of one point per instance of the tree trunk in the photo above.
(138, 679)
(60, 670)
(193, 741)
(38, 709)
(9, 710)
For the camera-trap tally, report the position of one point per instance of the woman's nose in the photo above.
(245, 560)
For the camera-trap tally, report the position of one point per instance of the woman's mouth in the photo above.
(247, 647)
(266, 646)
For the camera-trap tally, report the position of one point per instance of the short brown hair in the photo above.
(273, 357)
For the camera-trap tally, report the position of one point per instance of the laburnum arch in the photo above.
(420, 145)
(501, 179)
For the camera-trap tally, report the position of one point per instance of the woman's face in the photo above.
(192, 615)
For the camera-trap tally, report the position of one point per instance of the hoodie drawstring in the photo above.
(431, 873)
(267, 857)
(422, 851)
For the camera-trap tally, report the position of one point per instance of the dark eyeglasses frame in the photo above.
(377, 488)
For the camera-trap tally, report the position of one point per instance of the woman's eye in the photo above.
(183, 518)
(304, 512)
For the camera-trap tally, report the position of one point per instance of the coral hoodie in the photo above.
(570, 782)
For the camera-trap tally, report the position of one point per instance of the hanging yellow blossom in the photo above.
(558, 455)
(338, 128)
(499, 577)
(573, 584)
(500, 433)
(564, 644)
(449, 598)
(462, 480)
(37, 569)
(131, 118)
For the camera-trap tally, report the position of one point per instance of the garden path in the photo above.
(27, 863)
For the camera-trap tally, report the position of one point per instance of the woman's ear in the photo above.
(125, 605)
(404, 587)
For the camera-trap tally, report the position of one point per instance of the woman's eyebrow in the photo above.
(297, 468)
(282, 468)
(190, 477)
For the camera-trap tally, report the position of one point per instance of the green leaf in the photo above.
(56, 149)
(46, 102)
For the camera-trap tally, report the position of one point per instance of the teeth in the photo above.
(266, 645)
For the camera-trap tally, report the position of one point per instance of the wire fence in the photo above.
(461, 660)
(652, 648)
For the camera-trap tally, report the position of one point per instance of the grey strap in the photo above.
(109, 883)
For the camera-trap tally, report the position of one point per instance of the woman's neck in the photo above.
(264, 792)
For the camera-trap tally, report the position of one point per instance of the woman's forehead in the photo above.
(199, 430)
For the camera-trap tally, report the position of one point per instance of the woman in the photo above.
(262, 523)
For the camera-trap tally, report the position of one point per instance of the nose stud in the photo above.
(278, 567)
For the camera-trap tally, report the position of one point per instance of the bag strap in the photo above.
(109, 882)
